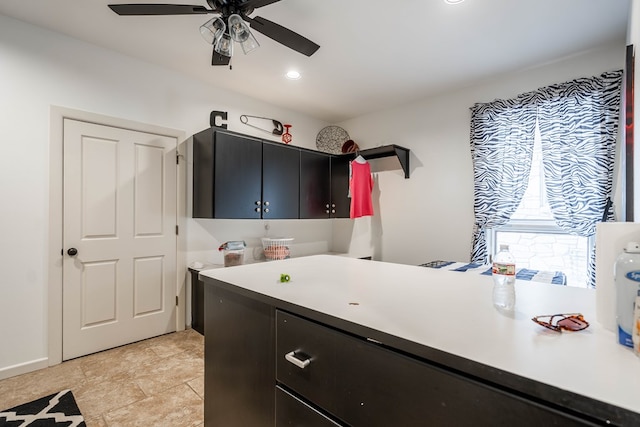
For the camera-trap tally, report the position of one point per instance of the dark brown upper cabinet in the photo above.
(240, 177)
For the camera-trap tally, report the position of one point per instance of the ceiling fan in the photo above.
(228, 27)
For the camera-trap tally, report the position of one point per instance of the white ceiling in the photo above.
(374, 54)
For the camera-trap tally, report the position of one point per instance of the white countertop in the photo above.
(452, 312)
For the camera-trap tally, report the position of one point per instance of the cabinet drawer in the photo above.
(292, 412)
(364, 384)
(316, 381)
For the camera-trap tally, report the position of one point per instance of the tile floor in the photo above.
(156, 382)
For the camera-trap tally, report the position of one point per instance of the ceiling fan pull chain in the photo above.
(277, 130)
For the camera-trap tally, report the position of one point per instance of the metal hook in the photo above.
(278, 128)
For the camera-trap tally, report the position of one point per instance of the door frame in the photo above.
(55, 241)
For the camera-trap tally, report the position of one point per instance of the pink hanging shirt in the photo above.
(361, 186)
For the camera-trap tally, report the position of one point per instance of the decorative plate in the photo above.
(331, 138)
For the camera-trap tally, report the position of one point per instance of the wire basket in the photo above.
(275, 249)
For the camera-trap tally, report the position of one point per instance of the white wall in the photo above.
(40, 69)
(430, 215)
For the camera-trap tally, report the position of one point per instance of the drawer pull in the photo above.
(291, 357)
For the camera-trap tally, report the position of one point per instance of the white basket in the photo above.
(275, 249)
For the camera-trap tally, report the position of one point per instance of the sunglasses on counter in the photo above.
(559, 322)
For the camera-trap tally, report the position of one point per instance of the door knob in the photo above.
(72, 252)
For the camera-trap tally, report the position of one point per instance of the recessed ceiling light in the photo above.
(293, 75)
(453, 1)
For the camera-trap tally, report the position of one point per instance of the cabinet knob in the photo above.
(266, 203)
(327, 206)
(72, 252)
(266, 210)
(258, 209)
(333, 211)
(333, 205)
(258, 202)
(327, 211)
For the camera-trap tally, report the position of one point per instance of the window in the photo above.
(577, 123)
(533, 237)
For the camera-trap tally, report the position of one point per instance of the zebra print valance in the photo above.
(578, 123)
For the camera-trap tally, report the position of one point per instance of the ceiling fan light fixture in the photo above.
(212, 30)
(224, 45)
(249, 44)
(238, 29)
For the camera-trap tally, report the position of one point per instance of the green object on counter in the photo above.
(284, 278)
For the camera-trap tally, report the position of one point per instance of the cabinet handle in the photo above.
(258, 202)
(266, 210)
(327, 211)
(327, 206)
(266, 203)
(333, 205)
(333, 211)
(291, 357)
(258, 209)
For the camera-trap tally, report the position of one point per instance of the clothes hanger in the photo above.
(359, 157)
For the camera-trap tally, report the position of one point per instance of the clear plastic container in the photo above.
(276, 248)
(503, 272)
(233, 252)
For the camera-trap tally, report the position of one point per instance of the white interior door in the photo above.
(120, 218)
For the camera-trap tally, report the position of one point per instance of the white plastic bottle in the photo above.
(503, 272)
(636, 328)
(627, 281)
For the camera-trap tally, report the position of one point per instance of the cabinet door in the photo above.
(202, 206)
(340, 201)
(237, 176)
(315, 180)
(239, 363)
(292, 412)
(197, 302)
(280, 181)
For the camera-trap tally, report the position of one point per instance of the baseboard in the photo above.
(23, 368)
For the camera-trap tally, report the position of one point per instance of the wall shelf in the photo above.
(389, 151)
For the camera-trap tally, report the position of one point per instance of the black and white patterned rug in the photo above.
(57, 410)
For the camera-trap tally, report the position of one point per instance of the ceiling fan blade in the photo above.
(158, 9)
(283, 35)
(254, 4)
(218, 59)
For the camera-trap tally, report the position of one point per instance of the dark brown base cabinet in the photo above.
(197, 301)
(270, 363)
